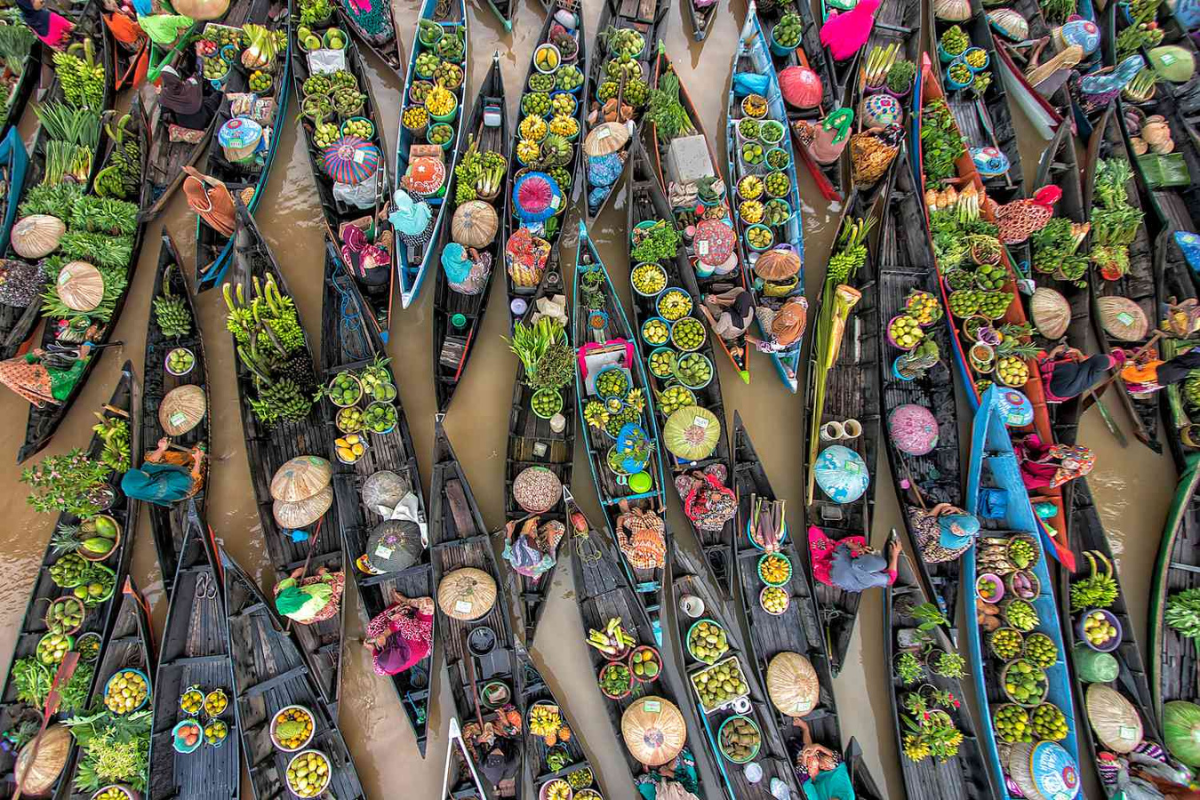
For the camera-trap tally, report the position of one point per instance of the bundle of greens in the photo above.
(658, 242)
(33, 680)
(1054, 250)
(1115, 222)
(950, 230)
(670, 118)
(941, 142)
(114, 748)
(479, 175)
(544, 353)
(115, 281)
(56, 201)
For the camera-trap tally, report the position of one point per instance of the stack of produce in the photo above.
(255, 52)
(1115, 222)
(433, 108)
(621, 93)
(16, 43)
(547, 362)
(365, 400)
(195, 704)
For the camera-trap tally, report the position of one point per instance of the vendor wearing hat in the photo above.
(944, 532)
(309, 600)
(164, 477)
(729, 313)
(783, 328)
(401, 636)
(42, 376)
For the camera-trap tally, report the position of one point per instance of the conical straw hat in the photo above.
(303, 512)
(80, 286)
(466, 594)
(301, 478)
(792, 684)
(605, 139)
(182, 409)
(653, 730)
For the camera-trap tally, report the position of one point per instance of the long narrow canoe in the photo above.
(647, 205)
(171, 288)
(906, 265)
(269, 675)
(374, 284)
(994, 472)
(347, 343)
(195, 652)
(412, 260)
(603, 338)
(700, 19)
(269, 448)
(461, 777)
(606, 593)
(26, 73)
(849, 383)
(1138, 284)
(569, 175)
(534, 442)
(481, 654)
(375, 26)
(930, 91)
(707, 279)
(965, 774)
(16, 321)
(752, 57)
(458, 316)
(100, 617)
(247, 182)
(646, 17)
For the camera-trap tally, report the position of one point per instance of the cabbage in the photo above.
(1181, 730)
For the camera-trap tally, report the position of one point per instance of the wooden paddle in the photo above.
(312, 546)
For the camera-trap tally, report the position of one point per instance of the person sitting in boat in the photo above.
(729, 313)
(51, 27)
(493, 745)
(821, 773)
(166, 476)
(1050, 466)
(1145, 773)
(534, 550)
(401, 636)
(850, 564)
(309, 600)
(943, 532)
(124, 25)
(370, 262)
(707, 501)
(184, 99)
(1148, 373)
(1068, 372)
(466, 269)
(783, 328)
(678, 779)
(46, 376)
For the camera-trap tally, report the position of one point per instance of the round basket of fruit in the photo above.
(754, 105)
(350, 448)
(774, 569)
(546, 403)
(547, 58)
(261, 82)
(1099, 629)
(991, 277)
(994, 305)
(216, 731)
(292, 728)
(1049, 722)
(99, 584)
(648, 279)
(989, 587)
(1012, 371)
(308, 773)
(656, 332)
(1011, 723)
(557, 789)
(380, 418)
(739, 739)
(126, 691)
(1006, 643)
(191, 701)
(904, 332)
(1041, 650)
(707, 641)
(361, 127)
(965, 302)
(760, 237)
(662, 362)
(99, 537)
(694, 370)
(187, 736)
(1024, 584)
(612, 382)
(615, 681)
(1021, 614)
(53, 647)
(645, 664)
(116, 792)
(675, 397)
(774, 600)
(69, 571)
(1024, 682)
(180, 361)
(688, 334)
(344, 389)
(88, 647)
(923, 307)
(349, 420)
(778, 184)
(674, 303)
(65, 615)
(1022, 552)
(215, 703)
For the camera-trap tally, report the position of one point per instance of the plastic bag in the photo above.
(358, 195)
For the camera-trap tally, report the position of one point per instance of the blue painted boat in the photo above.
(603, 339)
(753, 58)
(996, 494)
(412, 261)
(13, 162)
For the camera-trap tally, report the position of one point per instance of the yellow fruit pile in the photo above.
(308, 774)
(350, 448)
(126, 693)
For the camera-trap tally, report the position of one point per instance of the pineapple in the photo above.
(65, 539)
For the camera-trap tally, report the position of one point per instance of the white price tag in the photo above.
(652, 706)
(1125, 318)
(384, 552)
(555, 201)
(604, 134)
(178, 418)
(702, 248)
(463, 607)
(359, 156)
(700, 422)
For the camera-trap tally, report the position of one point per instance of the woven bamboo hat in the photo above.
(778, 264)
(1122, 318)
(304, 512)
(384, 488)
(182, 409)
(300, 479)
(466, 594)
(605, 139)
(1114, 719)
(1050, 311)
(80, 286)
(792, 684)
(653, 730)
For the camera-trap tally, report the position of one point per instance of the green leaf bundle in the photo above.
(104, 251)
(66, 123)
(57, 201)
(102, 215)
(16, 43)
(941, 141)
(66, 161)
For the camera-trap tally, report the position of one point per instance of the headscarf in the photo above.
(161, 484)
(957, 530)
(179, 95)
(38, 20)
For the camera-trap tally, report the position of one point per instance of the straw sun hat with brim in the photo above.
(301, 478)
(1116, 722)
(778, 264)
(792, 684)
(80, 286)
(298, 514)
(182, 409)
(384, 489)
(466, 594)
(536, 489)
(1122, 318)
(606, 139)
(653, 730)
(1050, 311)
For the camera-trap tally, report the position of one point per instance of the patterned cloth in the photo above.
(1051, 466)
(708, 503)
(408, 629)
(307, 615)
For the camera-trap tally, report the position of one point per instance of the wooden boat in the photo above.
(412, 261)
(605, 592)
(247, 182)
(684, 578)
(387, 44)
(130, 645)
(269, 675)
(195, 653)
(346, 343)
(14, 711)
(504, 11)
(646, 206)
(897, 25)
(906, 265)
(481, 656)
(269, 448)
(457, 316)
(851, 377)
(375, 288)
(1172, 656)
(538, 771)
(533, 442)
(1090, 540)
(646, 17)
(16, 322)
(752, 57)
(700, 19)
(969, 177)
(964, 774)
(810, 53)
(1138, 283)
(169, 524)
(520, 293)
(983, 122)
(461, 778)
(27, 76)
(602, 338)
(994, 472)
(714, 282)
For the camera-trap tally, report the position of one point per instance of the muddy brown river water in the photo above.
(1132, 486)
